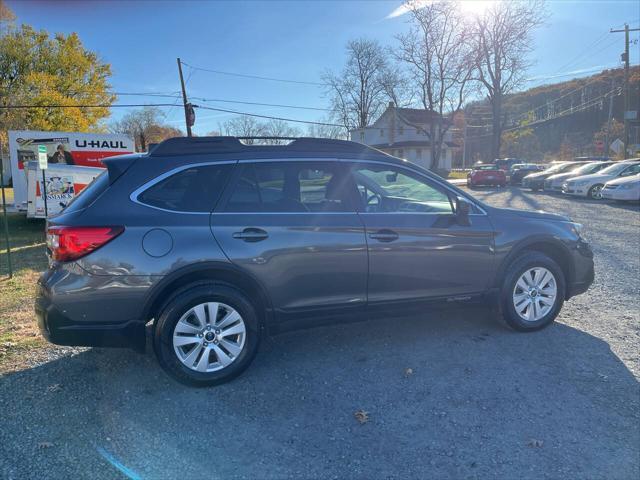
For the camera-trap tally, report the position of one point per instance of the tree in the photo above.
(243, 126)
(503, 41)
(327, 131)
(36, 69)
(279, 128)
(145, 126)
(521, 143)
(436, 51)
(360, 91)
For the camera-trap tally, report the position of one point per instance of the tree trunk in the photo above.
(496, 110)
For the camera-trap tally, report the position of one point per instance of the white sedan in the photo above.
(591, 185)
(626, 188)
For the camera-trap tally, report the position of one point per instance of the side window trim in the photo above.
(147, 185)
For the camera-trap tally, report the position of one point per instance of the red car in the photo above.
(486, 175)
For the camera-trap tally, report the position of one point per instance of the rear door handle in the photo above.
(251, 235)
(384, 235)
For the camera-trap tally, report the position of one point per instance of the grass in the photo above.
(457, 175)
(18, 329)
(8, 195)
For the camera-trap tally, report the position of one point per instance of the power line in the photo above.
(127, 105)
(263, 104)
(255, 77)
(269, 117)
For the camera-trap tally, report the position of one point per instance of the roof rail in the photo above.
(201, 145)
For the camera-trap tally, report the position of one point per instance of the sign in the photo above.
(630, 114)
(617, 146)
(43, 160)
(61, 148)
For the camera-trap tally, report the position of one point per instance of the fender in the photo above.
(524, 244)
(214, 270)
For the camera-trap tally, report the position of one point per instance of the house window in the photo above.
(419, 153)
(362, 136)
(382, 132)
(401, 131)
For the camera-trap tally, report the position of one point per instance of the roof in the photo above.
(299, 147)
(417, 115)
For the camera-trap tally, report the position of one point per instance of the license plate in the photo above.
(491, 178)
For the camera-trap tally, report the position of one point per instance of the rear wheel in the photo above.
(595, 192)
(206, 335)
(532, 292)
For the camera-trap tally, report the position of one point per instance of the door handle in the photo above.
(251, 235)
(384, 235)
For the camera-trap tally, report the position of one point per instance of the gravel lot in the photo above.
(479, 401)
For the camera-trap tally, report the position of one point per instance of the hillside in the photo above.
(564, 116)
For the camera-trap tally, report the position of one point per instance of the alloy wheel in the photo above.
(534, 294)
(209, 337)
(596, 192)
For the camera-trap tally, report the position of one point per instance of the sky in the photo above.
(295, 40)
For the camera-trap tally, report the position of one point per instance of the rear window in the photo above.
(195, 189)
(89, 194)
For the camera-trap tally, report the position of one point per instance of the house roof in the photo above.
(416, 115)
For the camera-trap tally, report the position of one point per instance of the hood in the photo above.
(597, 177)
(538, 175)
(623, 180)
(535, 214)
(560, 176)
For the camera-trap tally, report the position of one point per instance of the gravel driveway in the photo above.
(479, 401)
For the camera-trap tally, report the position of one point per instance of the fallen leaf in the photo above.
(362, 416)
(535, 443)
(408, 372)
(56, 387)
(45, 445)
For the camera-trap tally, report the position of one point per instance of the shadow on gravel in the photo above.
(479, 400)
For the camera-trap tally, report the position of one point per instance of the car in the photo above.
(211, 244)
(486, 174)
(520, 170)
(506, 163)
(590, 186)
(535, 181)
(554, 183)
(622, 189)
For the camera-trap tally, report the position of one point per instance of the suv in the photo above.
(218, 243)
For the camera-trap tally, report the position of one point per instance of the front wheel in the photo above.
(533, 292)
(206, 335)
(595, 192)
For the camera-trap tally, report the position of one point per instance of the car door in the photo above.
(292, 225)
(417, 250)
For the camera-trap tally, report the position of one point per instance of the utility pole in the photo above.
(5, 216)
(625, 57)
(187, 106)
(608, 136)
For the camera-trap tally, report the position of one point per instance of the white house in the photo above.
(404, 133)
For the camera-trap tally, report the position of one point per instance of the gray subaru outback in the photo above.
(217, 243)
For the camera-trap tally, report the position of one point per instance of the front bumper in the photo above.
(620, 194)
(574, 190)
(583, 270)
(533, 184)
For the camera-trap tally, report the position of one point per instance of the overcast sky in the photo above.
(290, 40)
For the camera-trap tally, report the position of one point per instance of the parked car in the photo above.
(535, 181)
(554, 183)
(521, 170)
(506, 163)
(486, 174)
(591, 185)
(622, 189)
(218, 244)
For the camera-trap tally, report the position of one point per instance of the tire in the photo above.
(534, 189)
(510, 288)
(594, 192)
(183, 308)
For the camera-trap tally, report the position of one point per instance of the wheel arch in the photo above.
(549, 246)
(208, 272)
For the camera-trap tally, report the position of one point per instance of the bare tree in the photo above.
(243, 126)
(436, 51)
(279, 128)
(145, 126)
(503, 41)
(327, 131)
(358, 93)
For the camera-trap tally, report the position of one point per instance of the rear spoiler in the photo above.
(119, 164)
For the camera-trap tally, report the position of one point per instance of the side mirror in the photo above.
(463, 208)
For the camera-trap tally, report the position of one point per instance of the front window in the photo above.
(386, 189)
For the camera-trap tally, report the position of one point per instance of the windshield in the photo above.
(560, 167)
(588, 168)
(615, 168)
(485, 167)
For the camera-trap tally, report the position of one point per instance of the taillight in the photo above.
(70, 243)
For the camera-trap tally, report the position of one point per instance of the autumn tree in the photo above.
(145, 126)
(40, 70)
(361, 91)
(436, 51)
(503, 40)
(521, 143)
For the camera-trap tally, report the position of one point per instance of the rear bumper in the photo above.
(57, 327)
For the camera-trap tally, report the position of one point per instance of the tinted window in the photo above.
(195, 189)
(387, 190)
(291, 187)
(90, 193)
